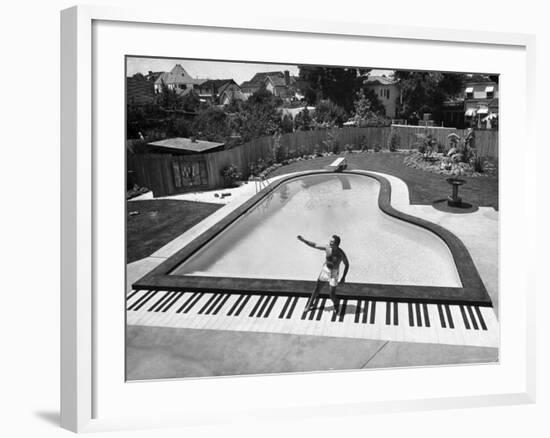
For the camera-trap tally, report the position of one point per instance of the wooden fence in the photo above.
(167, 174)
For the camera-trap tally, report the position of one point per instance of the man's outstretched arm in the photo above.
(308, 243)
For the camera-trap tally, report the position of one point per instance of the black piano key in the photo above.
(343, 311)
(187, 301)
(268, 311)
(283, 311)
(159, 301)
(264, 305)
(320, 311)
(194, 302)
(146, 300)
(418, 315)
(214, 303)
(395, 314)
(334, 315)
(411, 315)
(472, 317)
(366, 312)
(426, 315)
(373, 312)
(441, 316)
(256, 306)
(235, 304)
(357, 312)
(464, 318)
(243, 304)
(292, 306)
(221, 304)
(388, 313)
(312, 313)
(131, 294)
(481, 320)
(166, 300)
(449, 316)
(140, 300)
(207, 304)
(173, 301)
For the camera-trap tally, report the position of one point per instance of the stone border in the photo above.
(472, 292)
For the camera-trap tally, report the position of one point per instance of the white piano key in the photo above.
(493, 327)
(134, 297)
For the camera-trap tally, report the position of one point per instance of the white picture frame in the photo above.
(83, 369)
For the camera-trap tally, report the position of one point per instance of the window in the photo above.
(183, 86)
(469, 93)
(490, 92)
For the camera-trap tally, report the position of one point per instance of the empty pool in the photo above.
(261, 243)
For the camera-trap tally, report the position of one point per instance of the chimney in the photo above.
(287, 78)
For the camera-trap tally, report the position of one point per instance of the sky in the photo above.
(238, 71)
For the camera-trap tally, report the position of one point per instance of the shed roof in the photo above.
(186, 144)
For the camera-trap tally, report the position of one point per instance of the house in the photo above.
(220, 91)
(279, 86)
(481, 103)
(279, 83)
(185, 146)
(139, 90)
(177, 79)
(387, 91)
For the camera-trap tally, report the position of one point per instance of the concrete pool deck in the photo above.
(155, 352)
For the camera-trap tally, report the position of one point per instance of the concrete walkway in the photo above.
(154, 352)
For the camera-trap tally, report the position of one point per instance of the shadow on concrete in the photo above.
(441, 205)
(51, 417)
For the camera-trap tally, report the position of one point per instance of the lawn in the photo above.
(424, 187)
(159, 222)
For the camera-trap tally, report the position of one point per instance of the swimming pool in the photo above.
(392, 255)
(262, 242)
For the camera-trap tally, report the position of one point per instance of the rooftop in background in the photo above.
(382, 80)
(186, 144)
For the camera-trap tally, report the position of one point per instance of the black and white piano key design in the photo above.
(357, 318)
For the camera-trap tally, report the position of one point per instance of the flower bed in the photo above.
(444, 164)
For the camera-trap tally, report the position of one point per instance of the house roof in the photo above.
(186, 144)
(177, 75)
(381, 80)
(277, 81)
(217, 84)
(260, 77)
(250, 84)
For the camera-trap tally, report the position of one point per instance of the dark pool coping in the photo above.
(472, 292)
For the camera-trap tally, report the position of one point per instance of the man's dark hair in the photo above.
(336, 239)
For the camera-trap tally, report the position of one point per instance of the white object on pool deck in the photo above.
(338, 165)
(262, 243)
(359, 318)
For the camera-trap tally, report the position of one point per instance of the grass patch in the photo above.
(159, 222)
(424, 187)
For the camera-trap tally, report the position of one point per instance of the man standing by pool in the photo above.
(330, 270)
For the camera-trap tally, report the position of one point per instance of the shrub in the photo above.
(230, 175)
(331, 143)
(477, 164)
(394, 141)
(348, 148)
(377, 148)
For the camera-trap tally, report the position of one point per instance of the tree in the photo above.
(259, 115)
(329, 113)
(169, 98)
(338, 84)
(303, 120)
(212, 124)
(424, 92)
